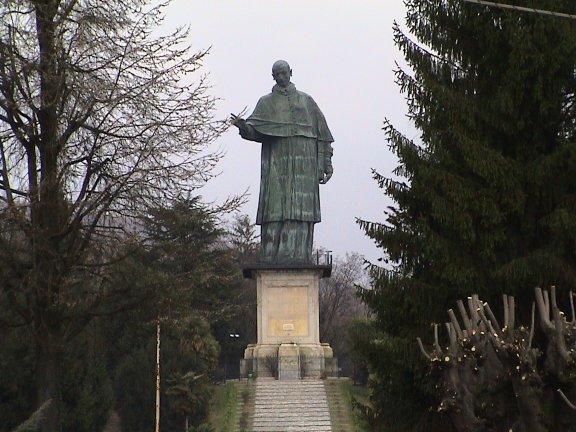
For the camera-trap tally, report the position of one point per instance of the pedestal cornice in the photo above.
(249, 270)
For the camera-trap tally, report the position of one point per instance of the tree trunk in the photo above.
(49, 356)
(47, 217)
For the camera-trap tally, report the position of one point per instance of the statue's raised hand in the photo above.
(325, 177)
(238, 121)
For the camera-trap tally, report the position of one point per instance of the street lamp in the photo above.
(232, 336)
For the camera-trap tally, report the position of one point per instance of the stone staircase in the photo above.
(284, 406)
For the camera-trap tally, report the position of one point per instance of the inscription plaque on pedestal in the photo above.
(288, 306)
(288, 311)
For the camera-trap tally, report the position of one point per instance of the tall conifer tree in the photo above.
(485, 200)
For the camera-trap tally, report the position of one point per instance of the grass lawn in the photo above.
(231, 406)
(344, 400)
(224, 407)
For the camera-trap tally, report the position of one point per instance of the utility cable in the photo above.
(522, 8)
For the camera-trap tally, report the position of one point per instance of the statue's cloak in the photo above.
(288, 112)
(292, 130)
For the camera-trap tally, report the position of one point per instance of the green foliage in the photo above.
(87, 396)
(485, 199)
(134, 384)
(198, 262)
(188, 394)
(341, 396)
(240, 321)
(361, 333)
(188, 354)
(182, 275)
(232, 406)
(392, 364)
(189, 257)
(16, 378)
(224, 406)
(188, 269)
(243, 239)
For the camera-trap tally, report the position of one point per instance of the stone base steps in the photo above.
(284, 406)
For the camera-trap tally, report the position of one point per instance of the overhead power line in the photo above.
(522, 9)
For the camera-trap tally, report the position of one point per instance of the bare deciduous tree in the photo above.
(337, 296)
(339, 305)
(99, 118)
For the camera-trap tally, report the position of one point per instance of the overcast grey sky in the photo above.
(342, 54)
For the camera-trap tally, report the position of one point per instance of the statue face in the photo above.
(282, 76)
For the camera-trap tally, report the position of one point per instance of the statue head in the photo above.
(281, 73)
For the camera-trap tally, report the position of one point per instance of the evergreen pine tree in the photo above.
(485, 201)
(187, 270)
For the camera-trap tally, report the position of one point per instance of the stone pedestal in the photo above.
(288, 344)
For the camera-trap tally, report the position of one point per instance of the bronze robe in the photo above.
(295, 148)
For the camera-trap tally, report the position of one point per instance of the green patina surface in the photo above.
(296, 158)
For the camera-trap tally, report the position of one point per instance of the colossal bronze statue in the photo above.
(296, 158)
